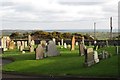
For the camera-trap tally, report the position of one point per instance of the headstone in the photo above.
(76, 43)
(52, 49)
(65, 45)
(83, 40)
(58, 43)
(90, 43)
(82, 49)
(32, 42)
(73, 43)
(8, 41)
(26, 44)
(89, 57)
(29, 39)
(4, 44)
(31, 48)
(18, 44)
(117, 49)
(96, 57)
(23, 44)
(39, 53)
(54, 40)
(21, 48)
(69, 46)
(12, 45)
(62, 42)
(43, 42)
(106, 43)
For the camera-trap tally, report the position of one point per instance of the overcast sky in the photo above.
(58, 14)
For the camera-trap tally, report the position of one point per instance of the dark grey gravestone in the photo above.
(89, 57)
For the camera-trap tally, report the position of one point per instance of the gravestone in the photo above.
(52, 49)
(73, 43)
(18, 44)
(31, 48)
(76, 43)
(106, 43)
(8, 41)
(26, 44)
(58, 43)
(12, 45)
(96, 57)
(83, 40)
(65, 45)
(90, 43)
(4, 44)
(43, 42)
(32, 42)
(89, 57)
(62, 42)
(23, 44)
(21, 48)
(69, 46)
(39, 53)
(117, 50)
(82, 49)
(29, 39)
(54, 40)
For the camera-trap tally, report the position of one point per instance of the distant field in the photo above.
(69, 63)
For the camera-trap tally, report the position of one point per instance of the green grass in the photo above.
(69, 63)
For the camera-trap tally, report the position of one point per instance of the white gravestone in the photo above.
(96, 57)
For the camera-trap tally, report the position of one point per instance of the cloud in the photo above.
(55, 11)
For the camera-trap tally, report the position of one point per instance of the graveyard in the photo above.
(75, 59)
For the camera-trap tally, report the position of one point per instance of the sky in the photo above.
(58, 14)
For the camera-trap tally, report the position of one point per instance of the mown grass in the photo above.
(68, 63)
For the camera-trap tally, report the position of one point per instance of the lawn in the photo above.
(68, 63)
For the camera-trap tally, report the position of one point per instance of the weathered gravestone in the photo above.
(39, 53)
(54, 40)
(29, 39)
(83, 40)
(96, 57)
(104, 55)
(26, 45)
(82, 49)
(58, 43)
(18, 44)
(23, 44)
(76, 43)
(65, 45)
(106, 43)
(69, 46)
(12, 45)
(31, 48)
(62, 42)
(89, 58)
(117, 50)
(52, 49)
(43, 42)
(3, 44)
(90, 43)
(73, 43)
(32, 42)
(21, 48)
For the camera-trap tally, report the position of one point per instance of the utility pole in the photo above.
(94, 30)
(110, 28)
